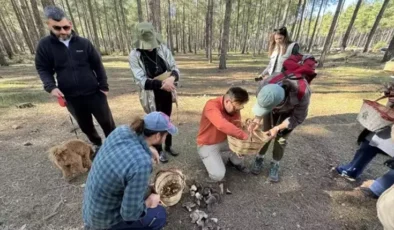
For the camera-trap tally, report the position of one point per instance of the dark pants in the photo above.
(280, 142)
(361, 159)
(83, 107)
(154, 219)
(163, 101)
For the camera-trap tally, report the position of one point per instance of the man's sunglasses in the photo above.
(59, 28)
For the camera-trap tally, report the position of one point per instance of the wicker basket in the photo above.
(164, 179)
(252, 145)
(374, 116)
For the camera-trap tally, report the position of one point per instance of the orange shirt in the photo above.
(216, 124)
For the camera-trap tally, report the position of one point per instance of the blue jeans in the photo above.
(361, 159)
(155, 219)
(383, 183)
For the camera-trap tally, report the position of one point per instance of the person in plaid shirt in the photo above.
(119, 177)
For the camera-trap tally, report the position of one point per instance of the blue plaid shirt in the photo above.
(118, 180)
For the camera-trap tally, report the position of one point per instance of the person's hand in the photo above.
(152, 201)
(254, 125)
(273, 132)
(57, 93)
(155, 155)
(104, 92)
(169, 80)
(168, 86)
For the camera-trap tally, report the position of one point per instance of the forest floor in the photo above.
(33, 194)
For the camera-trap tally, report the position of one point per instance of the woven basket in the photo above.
(252, 145)
(374, 116)
(166, 177)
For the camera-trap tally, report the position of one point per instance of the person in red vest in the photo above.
(282, 104)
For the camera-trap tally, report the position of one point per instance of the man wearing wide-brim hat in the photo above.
(155, 72)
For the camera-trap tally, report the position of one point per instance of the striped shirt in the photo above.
(118, 180)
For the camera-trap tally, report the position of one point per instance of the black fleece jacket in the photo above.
(79, 69)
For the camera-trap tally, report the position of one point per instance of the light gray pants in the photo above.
(214, 158)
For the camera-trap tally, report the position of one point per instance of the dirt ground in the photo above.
(34, 196)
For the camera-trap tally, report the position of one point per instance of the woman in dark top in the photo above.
(155, 72)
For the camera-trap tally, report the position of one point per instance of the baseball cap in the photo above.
(268, 98)
(158, 121)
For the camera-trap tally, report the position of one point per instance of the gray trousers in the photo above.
(214, 158)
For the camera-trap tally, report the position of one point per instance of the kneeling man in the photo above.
(221, 117)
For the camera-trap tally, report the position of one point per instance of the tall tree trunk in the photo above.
(127, 35)
(389, 54)
(239, 38)
(28, 16)
(258, 28)
(111, 44)
(140, 18)
(71, 15)
(37, 18)
(96, 37)
(286, 14)
(296, 17)
(12, 34)
(119, 27)
(226, 31)
(147, 10)
(277, 14)
(183, 29)
(86, 21)
(155, 14)
(301, 21)
(375, 25)
(236, 28)
(176, 33)
(263, 34)
(210, 31)
(196, 32)
(101, 27)
(310, 21)
(331, 34)
(46, 3)
(350, 26)
(246, 28)
(169, 32)
(189, 34)
(207, 30)
(6, 42)
(81, 21)
(3, 61)
(25, 33)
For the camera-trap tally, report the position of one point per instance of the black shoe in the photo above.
(163, 157)
(257, 166)
(172, 152)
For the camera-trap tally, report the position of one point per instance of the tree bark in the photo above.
(169, 32)
(37, 18)
(301, 21)
(196, 32)
(80, 20)
(314, 29)
(246, 28)
(389, 54)
(3, 60)
(183, 29)
(277, 14)
(96, 37)
(46, 3)
(71, 15)
(257, 36)
(155, 14)
(28, 16)
(207, 30)
(286, 14)
(210, 31)
(111, 44)
(226, 31)
(176, 33)
(375, 25)
(9, 26)
(101, 28)
(25, 33)
(119, 27)
(6, 42)
(296, 17)
(310, 21)
(189, 34)
(330, 34)
(127, 35)
(140, 18)
(350, 26)
(86, 21)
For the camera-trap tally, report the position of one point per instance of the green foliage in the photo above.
(379, 45)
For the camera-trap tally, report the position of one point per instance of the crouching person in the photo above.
(221, 117)
(119, 177)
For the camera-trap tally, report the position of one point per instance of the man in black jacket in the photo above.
(80, 75)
